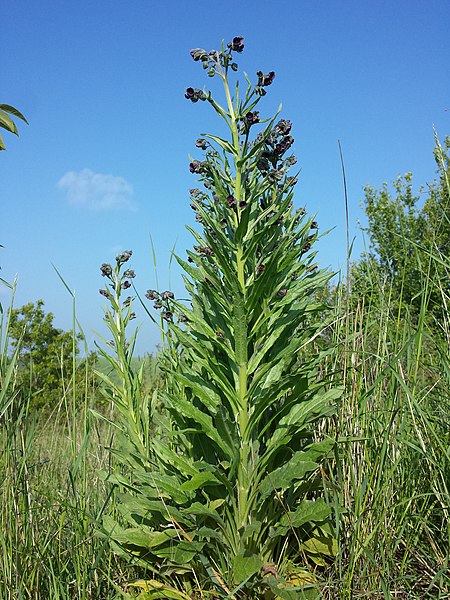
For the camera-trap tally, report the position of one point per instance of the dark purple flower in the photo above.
(314, 225)
(158, 304)
(183, 319)
(306, 247)
(132, 316)
(127, 301)
(152, 295)
(283, 127)
(242, 204)
(290, 160)
(265, 80)
(166, 295)
(194, 94)
(236, 44)
(196, 166)
(167, 315)
(268, 79)
(231, 201)
(261, 268)
(124, 256)
(126, 285)
(219, 334)
(104, 293)
(201, 143)
(252, 117)
(106, 270)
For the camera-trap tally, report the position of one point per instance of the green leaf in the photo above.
(7, 123)
(244, 566)
(13, 111)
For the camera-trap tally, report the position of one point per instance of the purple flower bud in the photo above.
(132, 316)
(201, 143)
(158, 304)
(183, 319)
(126, 285)
(127, 301)
(196, 167)
(130, 274)
(306, 247)
(261, 268)
(194, 94)
(104, 293)
(242, 204)
(219, 334)
(106, 270)
(167, 315)
(199, 54)
(314, 225)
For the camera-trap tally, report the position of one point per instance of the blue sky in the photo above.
(104, 161)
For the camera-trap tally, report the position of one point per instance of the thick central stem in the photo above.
(240, 330)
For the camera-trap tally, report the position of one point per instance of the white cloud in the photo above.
(97, 191)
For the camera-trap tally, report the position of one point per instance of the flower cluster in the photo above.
(275, 145)
(162, 300)
(119, 281)
(264, 81)
(194, 94)
(223, 58)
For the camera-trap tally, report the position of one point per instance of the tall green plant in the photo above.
(231, 488)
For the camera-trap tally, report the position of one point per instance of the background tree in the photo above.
(46, 353)
(409, 241)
